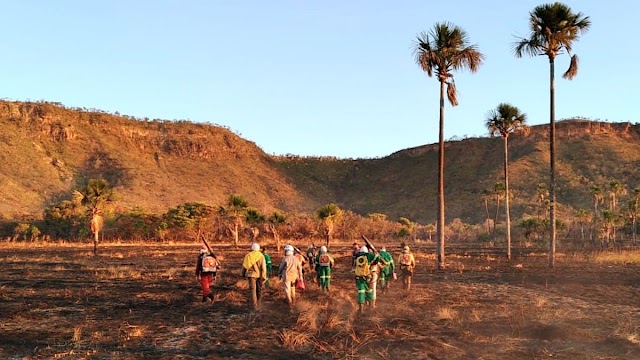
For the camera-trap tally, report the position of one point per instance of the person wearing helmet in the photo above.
(363, 276)
(407, 263)
(267, 259)
(254, 268)
(289, 272)
(324, 263)
(206, 268)
(388, 267)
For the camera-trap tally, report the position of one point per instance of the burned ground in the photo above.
(143, 301)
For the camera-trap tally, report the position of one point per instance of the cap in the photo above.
(406, 248)
(288, 248)
(255, 246)
(323, 248)
(364, 249)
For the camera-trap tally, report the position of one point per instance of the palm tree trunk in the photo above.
(486, 209)
(440, 223)
(506, 196)
(552, 165)
(495, 222)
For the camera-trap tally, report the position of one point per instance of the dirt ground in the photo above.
(143, 302)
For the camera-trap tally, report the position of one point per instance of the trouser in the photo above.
(406, 275)
(205, 283)
(255, 291)
(267, 283)
(385, 278)
(373, 285)
(324, 274)
(290, 291)
(364, 292)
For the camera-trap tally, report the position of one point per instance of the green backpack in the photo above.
(362, 266)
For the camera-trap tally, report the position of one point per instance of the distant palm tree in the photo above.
(583, 216)
(598, 198)
(505, 120)
(554, 28)
(634, 210)
(445, 49)
(499, 193)
(329, 215)
(615, 190)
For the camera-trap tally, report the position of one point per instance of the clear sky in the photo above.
(311, 78)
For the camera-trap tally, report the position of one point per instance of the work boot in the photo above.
(210, 296)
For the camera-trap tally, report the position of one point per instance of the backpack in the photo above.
(209, 264)
(363, 268)
(405, 260)
(324, 260)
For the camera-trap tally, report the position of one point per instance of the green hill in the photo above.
(47, 150)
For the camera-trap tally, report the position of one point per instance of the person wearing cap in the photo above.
(354, 254)
(362, 271)
(267, 259)
(324, 263)
(407, 263)
(254, 268)
(388, 267)
(206, 267)
(289, 272)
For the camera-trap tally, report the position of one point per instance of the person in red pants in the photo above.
(206, 269)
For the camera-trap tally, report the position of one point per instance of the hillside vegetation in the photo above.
(47, 151)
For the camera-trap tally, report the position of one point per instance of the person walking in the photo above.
(324, 264)
(388, 268)
(362, 273)
(407, 263)
(206, 268)
(267, 259)
(290, 271)
(254, 268)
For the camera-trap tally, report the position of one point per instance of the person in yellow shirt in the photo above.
(406, 262)
(254, 268)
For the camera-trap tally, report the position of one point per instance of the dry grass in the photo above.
(619, 258)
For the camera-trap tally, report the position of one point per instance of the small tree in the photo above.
(235, 211)
(96, 196)
(254, 218)
(329, 215)
(274, 222)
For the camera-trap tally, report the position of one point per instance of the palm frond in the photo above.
(572, 71)
(452, 94)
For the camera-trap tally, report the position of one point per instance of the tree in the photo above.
(554, 28)
(254, 218)
(499, 193)
(486, 194)
(633, 211)
(95, 197)
(598, 198)
(583, 217)
(441, 51)
(615, 190)
(408, 227)
(328, 215)
(274, 222)
(505, 120)
(235, 210)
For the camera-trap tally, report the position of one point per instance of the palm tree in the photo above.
(329, 215)
(499, 193)
(583, 217)
(96, 196)
(237, 206)
(615, 190)
(505, 120)
(634, 211)
(554, 28)
(441, 51)
(276, 220)
(598, 198)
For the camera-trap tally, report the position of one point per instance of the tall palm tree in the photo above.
(598, 198)
(441, 51)
(554, 28)
(505, 120)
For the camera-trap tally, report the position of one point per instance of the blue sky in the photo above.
(311, 78)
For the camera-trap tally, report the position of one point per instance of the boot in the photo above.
(210, 296)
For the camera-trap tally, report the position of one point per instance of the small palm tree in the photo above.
(236, 209)
(554, 28)
(505, 120)
(441, 51)
(583, 216)
(329, 214)
(275, 221)
(598, 198)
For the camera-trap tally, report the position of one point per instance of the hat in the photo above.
(203, 251)
(323, 249)
(288, 248)
(255, 246)
(406, 248)
(364, 249)
(383, 248)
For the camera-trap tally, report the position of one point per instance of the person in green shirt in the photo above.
(324, 263)
(267, 259)
(388, 267)
(363, 262)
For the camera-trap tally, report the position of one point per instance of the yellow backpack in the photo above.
(362, 266)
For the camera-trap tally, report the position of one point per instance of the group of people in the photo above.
(369, 267)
